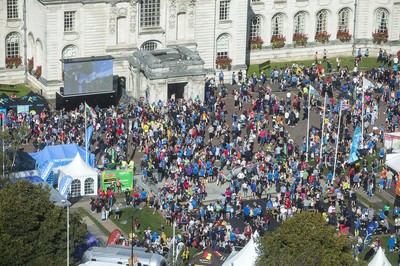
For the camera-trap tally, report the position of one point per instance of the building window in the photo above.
(150, 14)
(255, 27)
(69, 21)
(382, 17)
(322, 21)
(12, 45)
(149, 46)
(224, 10)
(299, 23)
(89, 186)
(12, 8)
(277, 25)
(76, 188)
(223, 46)
(255, 1)
(344, 16)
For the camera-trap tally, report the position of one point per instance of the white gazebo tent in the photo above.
(393, 161)
(85, 178)
(379, 259)
(247, 256)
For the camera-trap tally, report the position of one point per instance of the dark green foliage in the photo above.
(305, 239)
(32, 229)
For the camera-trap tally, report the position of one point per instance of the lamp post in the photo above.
(65, 204)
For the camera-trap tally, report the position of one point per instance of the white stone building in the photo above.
(60, 29)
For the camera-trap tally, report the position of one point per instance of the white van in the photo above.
(119, 255)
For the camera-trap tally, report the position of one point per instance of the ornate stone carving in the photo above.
(122, 12)
(132, 14)
(113, 18)
(172, 14)
(182, 8)
(191, 14)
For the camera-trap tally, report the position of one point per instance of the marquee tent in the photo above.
(52, 157)
(247, 256)
(379, 259)
(84, 177)
(393, 161)
(392, 141)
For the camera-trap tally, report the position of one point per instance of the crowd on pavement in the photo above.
(189, 143)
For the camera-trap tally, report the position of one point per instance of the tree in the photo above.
(33, 230)
(305, 239)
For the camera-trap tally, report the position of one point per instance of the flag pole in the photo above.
(86, 142)
(2, 123)
(322, 130)
(308, 122)
(337, 139)
(362, 117)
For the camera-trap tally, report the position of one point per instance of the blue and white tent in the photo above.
(52, 157)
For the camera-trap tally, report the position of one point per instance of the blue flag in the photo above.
(64, 186)
(354, 145)
(89, 132)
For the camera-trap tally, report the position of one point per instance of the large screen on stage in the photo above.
(88, 77)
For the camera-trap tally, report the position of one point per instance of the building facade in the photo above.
(229, 33)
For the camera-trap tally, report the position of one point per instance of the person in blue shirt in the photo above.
(143, 196)
(221, 77)
(381, 155)
(330, 178)
(246, 212)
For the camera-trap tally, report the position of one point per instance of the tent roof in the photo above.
(247, 256)
(393, 161)
(379, 259)
(78, 167)
(393, 134)
(51, 153)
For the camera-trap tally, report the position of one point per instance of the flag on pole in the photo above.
(90, 111)
(367, 84)
(354, 145)
(89, 132)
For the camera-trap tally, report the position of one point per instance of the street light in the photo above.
(65, 203)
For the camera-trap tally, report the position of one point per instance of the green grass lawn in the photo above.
(146, 219)
(348, 61)
(20, 90)
(392, 257)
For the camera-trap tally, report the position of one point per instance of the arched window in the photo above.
(223, 46)
(277, 25)
(344, 19)
(76, 188)
(89, 186)
(150, 46)
(150, 13)
(322, 21)
(255, 24)
(69, 52)
(12, 45)
(299, 23)
(12, 8)
(382, 18)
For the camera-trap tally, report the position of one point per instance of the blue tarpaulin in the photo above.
(54, 156)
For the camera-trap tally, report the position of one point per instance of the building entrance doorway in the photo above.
(176, 90)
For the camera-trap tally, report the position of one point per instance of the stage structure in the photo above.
(88, 79)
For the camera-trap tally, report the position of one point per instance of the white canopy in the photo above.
(379, 259)
(393, 161)
(85, 180)
(247, 256)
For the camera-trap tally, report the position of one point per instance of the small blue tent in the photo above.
(54, 156)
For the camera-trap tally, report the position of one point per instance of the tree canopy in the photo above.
(305, 239)
(32, 229)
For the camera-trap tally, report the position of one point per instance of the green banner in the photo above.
(109, 178)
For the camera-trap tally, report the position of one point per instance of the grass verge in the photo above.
(147, 219)
(99, 225)
(20, 90)
(365, 64)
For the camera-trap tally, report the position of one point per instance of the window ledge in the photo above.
(151, 30)
(226, 21)
(257, 3)
(70, 32)
(13, 19)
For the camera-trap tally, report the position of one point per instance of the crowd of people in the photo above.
(242, 140)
